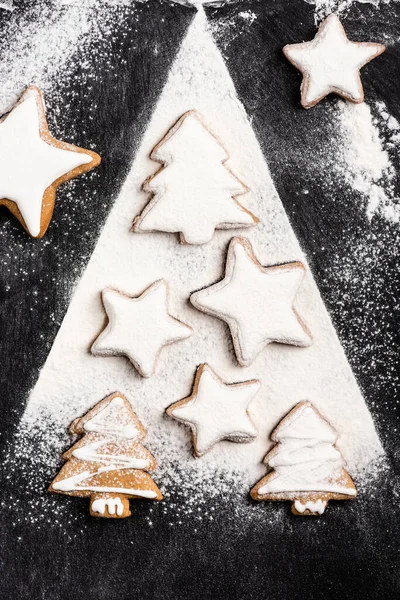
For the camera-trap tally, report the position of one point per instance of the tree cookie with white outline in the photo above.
(34, 163)
(331, 63)
(139, 327)
(306, 466)
(256, 302)
(108, 464)
(194, 192)
(216, 410)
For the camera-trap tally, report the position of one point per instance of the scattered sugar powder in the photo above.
(29, 58)
(72, 380)
(323, 8)
(365, 149)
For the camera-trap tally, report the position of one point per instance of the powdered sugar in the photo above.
(72, 380)
(323, 8)
(363, 158)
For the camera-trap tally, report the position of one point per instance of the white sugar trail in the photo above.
(43, 40)
(72, 380)
(37, 50)
(323, 8)
(363, 158)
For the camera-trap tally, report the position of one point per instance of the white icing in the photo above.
(257, 303)
(114, 419)
(139, 327)
(218, 411)
(28, 164)
(114, 505)
(119, 461)
(305, 459)
(331, 63)
(315, 507)
(71, 484)
(193, 193)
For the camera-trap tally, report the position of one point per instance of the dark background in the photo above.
(353, 551)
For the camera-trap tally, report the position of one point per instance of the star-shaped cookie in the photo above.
(256, 302)
(216, 411)
(330, 63)
(34, 164)
(139, 327)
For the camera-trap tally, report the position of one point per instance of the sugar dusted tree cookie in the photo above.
(256, 302)
(194, 192)
(34, 164)
(330, 63)
(307, 468)
(108, 464)
(139, 327)
(216, 411)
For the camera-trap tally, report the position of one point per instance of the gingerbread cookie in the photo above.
(34, 164)
(108, 464)
(216, 411)
(256, 302)
(307, 468)
(330, 63)
(139, 327)
(194, 192)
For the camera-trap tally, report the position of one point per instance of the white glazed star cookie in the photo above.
(330, 63)
(194, 192)
(256, 302)
(216, 411)
(139, 327)
(34, 164)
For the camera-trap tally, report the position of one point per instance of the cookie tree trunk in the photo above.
(110, 506)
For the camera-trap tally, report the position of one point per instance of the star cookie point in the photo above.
(331, 63)
(34, 163)
(216, 411)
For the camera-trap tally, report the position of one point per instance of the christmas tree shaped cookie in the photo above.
(34, 163)
(194, 192)
(306, 466)
(108, 464)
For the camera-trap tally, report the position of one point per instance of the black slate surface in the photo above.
(353, 551)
